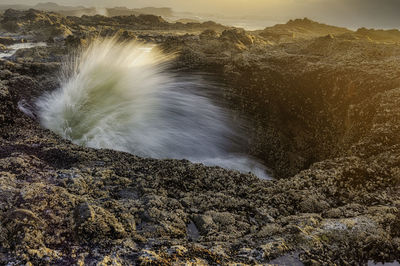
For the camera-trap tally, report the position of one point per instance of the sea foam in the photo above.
(123, 96)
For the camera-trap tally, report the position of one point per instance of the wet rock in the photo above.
(10, 41)
(274, 247)
(10, 26)
(7, 107)
(177, 250)
(148, 257)
(269, 230)
(204, 223)
(313, 205)
(83, 213)
(41, 24)
(21, 227)
(192, 231)
(237, 37)
(96, 224)
(209, 35)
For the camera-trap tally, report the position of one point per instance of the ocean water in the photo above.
(248, 24)
(123, 96)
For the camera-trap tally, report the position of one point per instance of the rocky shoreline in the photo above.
(324, 108)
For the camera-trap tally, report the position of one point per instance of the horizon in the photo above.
(352, 14)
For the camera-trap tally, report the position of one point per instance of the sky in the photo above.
(350, 13)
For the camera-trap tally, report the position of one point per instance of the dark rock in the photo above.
(237, 37)
(300, 29)
(9, 41)
(209, 34)
(94, 224)
(83, 213)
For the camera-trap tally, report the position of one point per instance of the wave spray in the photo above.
(122, 96)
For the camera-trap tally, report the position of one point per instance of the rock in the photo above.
(83, 213)
(209, 34)
(237, 37)
(3, 48)
(273, 248)
(148, 257)
(74, 42)
(205, 224)
(10, 26)
(7, 107)
(269, 230)
(151, 20)
(389, 36)
(94, 224)
(300, 29)
(41, 24)
(10, 41)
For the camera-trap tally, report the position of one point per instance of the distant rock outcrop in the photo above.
(391, 36)
(300, 29)
(50, 26)
(91, 11)
(42, 25)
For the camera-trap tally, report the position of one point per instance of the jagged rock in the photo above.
(391, 36)
(9, 41)
(209, 34)
(7, 107)
(300, 29)
(237, 37)
(10, 26)
(75, 42)
(94, 224)
(41, 24)
(151, 20)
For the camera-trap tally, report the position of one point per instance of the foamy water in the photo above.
(121, 96)
(15, 47)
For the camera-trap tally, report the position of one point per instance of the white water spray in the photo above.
(121, 96)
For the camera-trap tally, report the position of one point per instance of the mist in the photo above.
(348, 13)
